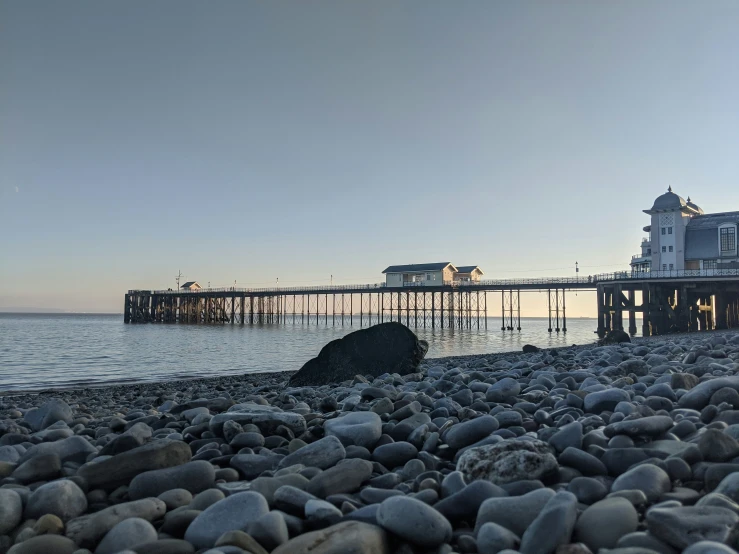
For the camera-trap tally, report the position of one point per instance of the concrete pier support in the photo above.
(632, 313)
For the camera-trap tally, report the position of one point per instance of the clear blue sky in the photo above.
(244, 140)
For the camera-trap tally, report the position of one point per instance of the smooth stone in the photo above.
(176, 498)
(241, 540)
(323, 453)
(514, 513)
(48, 524)
(681, 527)
(585, 463)
(716, 446)
(270, 530)
(395, 454)
(708, 547)
(464, 504)
(414, 521)
(508, 461)
(587, 490)
(87, 530)
(165, 546)
(73, 449)
(42, 467)
(252, 466)
(493, 538)
(11, 510)
(291, 500)
(193, 476)
(63, 498)
(729, 486)
(348, 537)
(45, 544)
(266, 418)
(605, 400)
(322, 511)
(650, 479)
(48, 413)
(503, 390)
(552, 527)
(121, 468)
(699, 396)
(204, 500)
(568, 436)
(343, 478)
(641, 539)
(646, 426)
(469, 432)
(356, 429)
(126, 535)
(605, 522)
(235, 512)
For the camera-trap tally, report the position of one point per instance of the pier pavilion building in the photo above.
(431, 274)
(683, 237)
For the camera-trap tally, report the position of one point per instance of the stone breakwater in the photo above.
(629, 448)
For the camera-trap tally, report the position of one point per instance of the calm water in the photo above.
(40, 351)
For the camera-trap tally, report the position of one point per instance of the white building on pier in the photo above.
(431, 274)
(683, 237)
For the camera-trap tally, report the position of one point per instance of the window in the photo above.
(669, 230)
(664, 249)
(663, 230)
(727, 237)
(671, 267)
(649, 251)
(709, 264)
(670, 248)
(664, 267)
(429, 276)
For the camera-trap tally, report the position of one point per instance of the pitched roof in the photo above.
(189, 284)
(468, 268)
(418, 267)
(712, 221)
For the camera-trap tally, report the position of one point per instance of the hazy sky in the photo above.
(244, 140)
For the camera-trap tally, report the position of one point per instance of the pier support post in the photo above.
(600, 296)
(632, 313)
(564, 312)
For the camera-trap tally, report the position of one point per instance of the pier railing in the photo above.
(542, 283)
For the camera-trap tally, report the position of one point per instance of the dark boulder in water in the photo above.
(530, 349)
(383, 348)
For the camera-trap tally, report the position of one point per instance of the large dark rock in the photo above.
(383, 348)
(615, 337)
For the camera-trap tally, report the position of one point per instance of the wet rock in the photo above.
(45, 544)
(493, 538)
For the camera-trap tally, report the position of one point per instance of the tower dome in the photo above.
(668, 201)
(694, 206)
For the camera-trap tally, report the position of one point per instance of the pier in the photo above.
(460, 305)
(670, 301)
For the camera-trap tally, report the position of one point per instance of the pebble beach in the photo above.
(630, 448)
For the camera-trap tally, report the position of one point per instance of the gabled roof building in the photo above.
(430, 274)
